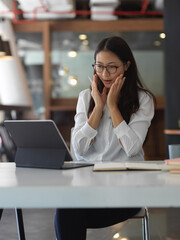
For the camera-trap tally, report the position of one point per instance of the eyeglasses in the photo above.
(100, 68)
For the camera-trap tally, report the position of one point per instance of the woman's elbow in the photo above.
(134, 150)
(79, 148)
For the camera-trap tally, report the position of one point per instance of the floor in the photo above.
(164, 224)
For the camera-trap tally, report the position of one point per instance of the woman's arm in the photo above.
(113, 99)
(83, 133)
(132, 135)
(100, 101)
(86, 129)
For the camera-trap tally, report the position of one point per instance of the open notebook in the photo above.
(117, 166)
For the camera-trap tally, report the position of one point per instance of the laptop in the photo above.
(40, 145)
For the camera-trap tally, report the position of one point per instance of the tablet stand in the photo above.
(51, 158)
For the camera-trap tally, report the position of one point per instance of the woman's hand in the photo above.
(114, 92)
(99, 98)
(100, 101)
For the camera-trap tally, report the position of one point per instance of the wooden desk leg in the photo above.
(20, 224)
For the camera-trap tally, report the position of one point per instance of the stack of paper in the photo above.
(103, 9)
(173, 164)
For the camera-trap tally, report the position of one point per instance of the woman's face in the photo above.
(115, 67)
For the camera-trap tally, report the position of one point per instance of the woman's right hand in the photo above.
(99, 98)
(100, 101)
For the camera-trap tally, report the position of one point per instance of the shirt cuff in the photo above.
(88, 131)
(121, 129)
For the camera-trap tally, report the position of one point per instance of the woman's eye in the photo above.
(99, 66)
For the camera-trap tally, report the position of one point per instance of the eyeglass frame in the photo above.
(105, 67)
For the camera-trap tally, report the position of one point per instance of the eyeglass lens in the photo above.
(109, 69)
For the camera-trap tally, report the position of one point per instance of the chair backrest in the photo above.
(8, 146)
(174, 150)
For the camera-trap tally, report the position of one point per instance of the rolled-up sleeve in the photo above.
(132, 135)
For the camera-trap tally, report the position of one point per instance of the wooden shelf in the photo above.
(63, 104)
(14, 107)
(45, 27)
(160, 103)
(62, 108)
(154, 145)
(69, 104)
(132, 24)
(172, 131)
(143, 24)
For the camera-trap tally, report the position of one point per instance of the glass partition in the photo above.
(72, 58)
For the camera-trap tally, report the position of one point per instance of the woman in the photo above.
(111, 123)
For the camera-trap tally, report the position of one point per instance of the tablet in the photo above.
(40, 144)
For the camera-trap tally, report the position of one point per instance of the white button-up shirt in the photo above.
(105, 145)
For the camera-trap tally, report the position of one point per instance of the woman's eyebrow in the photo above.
(107, 63)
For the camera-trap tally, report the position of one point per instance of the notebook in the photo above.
(40, 145)
(116, 166)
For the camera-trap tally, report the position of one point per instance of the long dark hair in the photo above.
(129, 100)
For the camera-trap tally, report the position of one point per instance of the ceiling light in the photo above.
(82, 36)
(72, 80)
(72, 54)
(162, 35)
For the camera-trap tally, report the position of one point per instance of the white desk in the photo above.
(42, 188)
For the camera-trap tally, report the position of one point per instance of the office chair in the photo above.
(142, 214)
(174, 150)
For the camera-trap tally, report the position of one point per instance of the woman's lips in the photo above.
(107, 81)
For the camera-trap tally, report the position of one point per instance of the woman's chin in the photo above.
(108, 85)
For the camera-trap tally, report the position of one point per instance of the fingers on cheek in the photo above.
(93, 86)
(121, 80)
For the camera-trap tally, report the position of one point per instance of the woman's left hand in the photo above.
(114, 92)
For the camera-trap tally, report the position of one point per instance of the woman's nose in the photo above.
(105, 72)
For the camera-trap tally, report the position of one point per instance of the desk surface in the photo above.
(42, 188)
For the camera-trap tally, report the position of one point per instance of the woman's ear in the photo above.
(127, 65)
